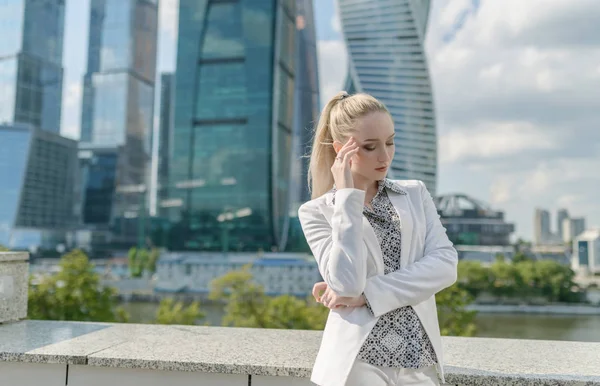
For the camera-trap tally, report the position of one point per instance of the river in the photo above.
(584, 328)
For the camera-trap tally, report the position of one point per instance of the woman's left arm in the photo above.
(417, 282)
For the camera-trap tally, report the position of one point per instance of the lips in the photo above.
(382, 169)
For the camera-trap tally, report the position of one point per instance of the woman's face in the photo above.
(375, 137)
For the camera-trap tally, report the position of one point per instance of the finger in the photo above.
(350, 145)
(317, 288)
(350, 154)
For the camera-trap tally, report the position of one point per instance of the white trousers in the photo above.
(365, 374)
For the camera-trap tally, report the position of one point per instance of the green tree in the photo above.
(3, 248)
(74, 293)
(173, 312)
(248, 306)
(454, 318)
(474, 277)
(135, 268)
(153, 256)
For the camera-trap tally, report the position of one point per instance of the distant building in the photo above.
(386, 49)
(231, 183)
(541, 227)
(37, 185)
(117, 113)
(165, 132)
(472, 222)
(571, 228)
(562, 214)
(278, 273)
(31, 72)
(586, 252)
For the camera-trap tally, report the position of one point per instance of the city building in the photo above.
(385, 43)
(31, 72)
(586, 252)
(278, 273)
(165, 133)
(37, 187)
(561, 215)
(117, 114)
(541, 227)
(230, 171)
(572, 227)
(471, 222)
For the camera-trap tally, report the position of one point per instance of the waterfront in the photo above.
(583, 328)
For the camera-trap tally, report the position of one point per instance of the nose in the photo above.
(384, 155)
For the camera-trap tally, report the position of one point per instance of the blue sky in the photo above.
(516, 85)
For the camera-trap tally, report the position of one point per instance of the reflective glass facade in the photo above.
(167, 109)
(229, 173)
(37, 170)
(117, 109)
(31, 73)
(387, 60)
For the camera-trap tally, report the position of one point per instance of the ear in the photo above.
(337, 146)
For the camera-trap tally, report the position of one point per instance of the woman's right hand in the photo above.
(341, 169)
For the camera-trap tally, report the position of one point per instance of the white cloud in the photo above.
(333, 63)
(492, 140)
(71, 110)
(168, 14)
(516, 90)
(336, 24)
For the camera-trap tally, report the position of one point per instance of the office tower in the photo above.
(572, 227)
(229, 173)
(541, 227)
(387, 60)
(37, 174)
(117, 111)
(561, 216)
(31, 73)
(165, 129)
(306, 97)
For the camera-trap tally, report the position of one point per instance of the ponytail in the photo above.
(336, 123)
(320, 179)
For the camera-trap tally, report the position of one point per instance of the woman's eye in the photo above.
(369, 148)
(390, 144)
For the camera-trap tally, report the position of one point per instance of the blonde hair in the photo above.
(337, 123)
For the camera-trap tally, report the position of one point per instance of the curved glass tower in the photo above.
(229, 169)
(387, 60)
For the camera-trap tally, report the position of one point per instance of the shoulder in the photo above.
(313, 206)
(411, 187)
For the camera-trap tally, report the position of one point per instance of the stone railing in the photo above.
(98, 354)
(49, 353)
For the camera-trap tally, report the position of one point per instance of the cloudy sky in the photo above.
(516, 87)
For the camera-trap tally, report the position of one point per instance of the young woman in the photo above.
(381, 250)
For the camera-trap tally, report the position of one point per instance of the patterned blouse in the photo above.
(398, 339)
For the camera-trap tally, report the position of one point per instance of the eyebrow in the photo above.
(375, 139)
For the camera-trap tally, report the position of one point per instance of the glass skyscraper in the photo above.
(117, 110)
(165, 128)
(37, 183)
(387, 60)
(31, 73)
(230, 169)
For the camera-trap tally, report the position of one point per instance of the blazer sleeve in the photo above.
(417, 282)
(339, 248)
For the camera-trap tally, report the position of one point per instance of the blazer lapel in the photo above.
(401, 204)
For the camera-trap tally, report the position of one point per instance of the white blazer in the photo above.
(351, 263)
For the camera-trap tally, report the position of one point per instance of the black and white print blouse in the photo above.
(398, 339)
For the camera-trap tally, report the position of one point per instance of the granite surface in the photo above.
(268, 352)
(14, 284)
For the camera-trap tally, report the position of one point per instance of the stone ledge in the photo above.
(281, 353)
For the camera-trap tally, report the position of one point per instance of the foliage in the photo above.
(3, 248)
(520, 278)
(173, 312)
(453, 317)
(247, 305)
(142, 260)
(74, 293)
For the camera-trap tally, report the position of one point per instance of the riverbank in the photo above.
(550, 309)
